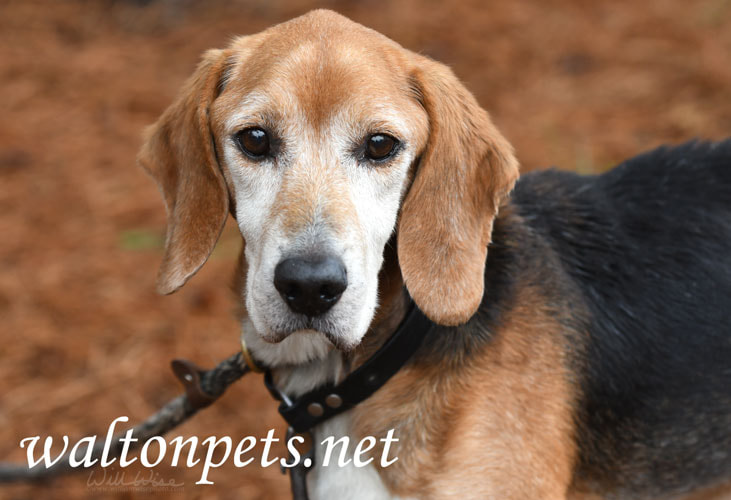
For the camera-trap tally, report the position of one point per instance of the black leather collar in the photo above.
(310, 409)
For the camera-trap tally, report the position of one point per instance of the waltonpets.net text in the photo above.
(81, 453)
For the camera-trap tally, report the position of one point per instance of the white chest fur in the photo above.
(342, 482)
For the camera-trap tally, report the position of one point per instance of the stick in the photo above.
(213, 383)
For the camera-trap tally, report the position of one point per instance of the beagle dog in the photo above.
(581, 337)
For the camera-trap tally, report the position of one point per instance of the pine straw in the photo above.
(84, 338)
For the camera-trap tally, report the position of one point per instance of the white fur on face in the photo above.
(323, 164)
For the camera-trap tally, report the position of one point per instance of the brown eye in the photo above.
(380, 146)
(253, 141)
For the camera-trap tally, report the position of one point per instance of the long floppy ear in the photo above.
(179, 154)
(466, 169)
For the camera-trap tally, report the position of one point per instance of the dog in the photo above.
(581, 337)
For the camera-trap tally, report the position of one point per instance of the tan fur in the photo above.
(324, 198)
(179, 155)
(466, 171)
(497, 427)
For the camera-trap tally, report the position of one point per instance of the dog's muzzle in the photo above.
(311, 285)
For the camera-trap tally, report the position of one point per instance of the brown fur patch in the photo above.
(721, 492)
(500, 422)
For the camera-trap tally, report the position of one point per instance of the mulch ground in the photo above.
(83, 336)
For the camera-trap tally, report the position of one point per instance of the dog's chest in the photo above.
(342, 482)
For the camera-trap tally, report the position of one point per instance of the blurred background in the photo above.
(83, 336)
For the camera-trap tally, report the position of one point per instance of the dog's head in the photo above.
(318, 135)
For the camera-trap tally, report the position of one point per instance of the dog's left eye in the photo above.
(253, 141)
(380, 146)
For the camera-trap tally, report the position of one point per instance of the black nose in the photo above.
(311, 285)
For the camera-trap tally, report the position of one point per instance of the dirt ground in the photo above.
(83, 336)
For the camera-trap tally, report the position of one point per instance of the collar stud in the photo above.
(315, 409)
(334, 401)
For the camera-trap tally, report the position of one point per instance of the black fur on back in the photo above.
(648, 244)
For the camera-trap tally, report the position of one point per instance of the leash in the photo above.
(329, 400)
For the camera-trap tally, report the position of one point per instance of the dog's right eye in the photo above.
(379, 147)
(253, 141)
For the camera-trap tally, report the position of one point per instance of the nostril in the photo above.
(329, 292)
(292, 293)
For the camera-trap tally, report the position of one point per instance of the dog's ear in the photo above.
(465, 170)
(180, 155)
